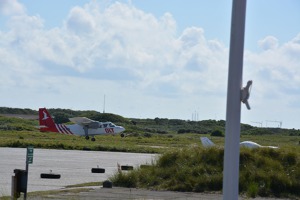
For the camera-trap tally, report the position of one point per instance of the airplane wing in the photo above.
(81, 120)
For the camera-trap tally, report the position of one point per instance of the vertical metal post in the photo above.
(27, 163)
(233, 110)
(29, 160)
(13, 188)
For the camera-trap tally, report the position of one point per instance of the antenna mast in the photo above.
(104, 105)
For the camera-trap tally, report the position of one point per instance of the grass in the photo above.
(263, 172)
(156, 143)
(140, 144)
(184, 165)
(84, 185)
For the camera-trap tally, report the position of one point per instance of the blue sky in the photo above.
(149, 58)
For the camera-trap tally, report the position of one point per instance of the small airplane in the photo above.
(83, 126)
(248, 144)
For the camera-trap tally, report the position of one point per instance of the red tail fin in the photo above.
(46, 122)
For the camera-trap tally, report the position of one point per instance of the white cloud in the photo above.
(143, 65)
(11, 7)
(269, 42)
(80, 21)
(275, 74)
(280, 65)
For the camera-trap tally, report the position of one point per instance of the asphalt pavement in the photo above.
(74, 166)
(117, 193)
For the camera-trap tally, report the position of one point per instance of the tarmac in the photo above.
(74, 166)
(117, 193)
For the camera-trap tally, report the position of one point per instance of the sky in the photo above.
(147, 59)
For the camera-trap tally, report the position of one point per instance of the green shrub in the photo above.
(217, 133)
(168, 159)
(147, 135)
(263, 172)
(252, 190)
(125, 180)
(289, 159)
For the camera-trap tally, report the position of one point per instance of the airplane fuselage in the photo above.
(82, 126)
(75, 129)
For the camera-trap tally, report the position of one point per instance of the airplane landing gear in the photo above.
(122, 135)
(93, 139)
(86, 132)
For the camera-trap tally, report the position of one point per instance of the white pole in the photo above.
(233, 111)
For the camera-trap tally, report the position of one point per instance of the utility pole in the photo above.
(233, 109)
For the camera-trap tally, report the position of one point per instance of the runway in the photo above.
(74, 166)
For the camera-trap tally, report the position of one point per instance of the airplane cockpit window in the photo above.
(111, 125)
(105, 125)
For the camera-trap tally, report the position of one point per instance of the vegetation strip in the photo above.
(263, 172)
(184, 165)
